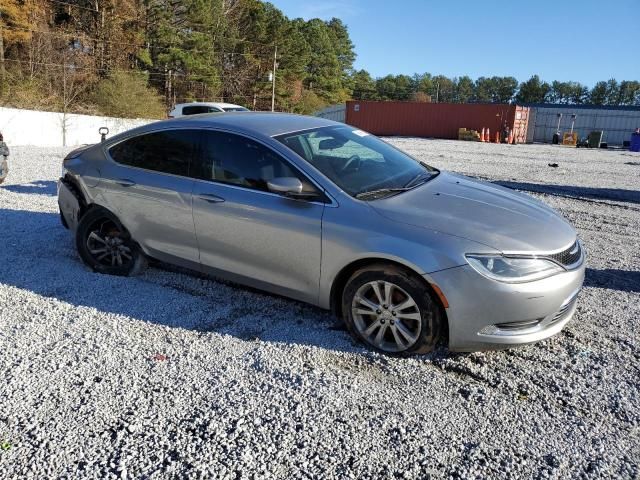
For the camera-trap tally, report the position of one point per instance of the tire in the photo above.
(106, 247)
(411, 328)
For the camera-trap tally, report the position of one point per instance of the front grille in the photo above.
(569, 256)
(519, 325)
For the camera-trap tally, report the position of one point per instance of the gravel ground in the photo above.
(169, 375)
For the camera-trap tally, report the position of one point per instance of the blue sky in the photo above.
(585, 41)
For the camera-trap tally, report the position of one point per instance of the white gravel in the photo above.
(168, 375)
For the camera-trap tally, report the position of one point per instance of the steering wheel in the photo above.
(352, 164)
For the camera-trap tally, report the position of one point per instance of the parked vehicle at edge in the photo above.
(327, 214)
(196, 108)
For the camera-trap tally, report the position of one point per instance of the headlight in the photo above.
(513, 269)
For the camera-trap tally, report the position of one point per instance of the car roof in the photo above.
(255, 123)
(208, 104)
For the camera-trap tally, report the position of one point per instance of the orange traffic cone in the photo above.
(497, 137)
(510, 139)
(482, 135)
(487, 136)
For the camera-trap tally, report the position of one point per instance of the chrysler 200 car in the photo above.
(327, 214)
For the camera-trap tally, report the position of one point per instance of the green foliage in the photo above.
(612, 92)
(464, 89)
(186, 49)
(598, 94)
(127, 95)
(567, 93)
(533, 91)
(629, 93)
(326, 69)
(363, 85)
(154, 53)
(310, 102)
(439, 88)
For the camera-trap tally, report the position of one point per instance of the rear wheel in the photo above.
(106, 247)
(391, 310)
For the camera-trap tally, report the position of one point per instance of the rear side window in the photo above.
(195, 109)
(169, 151)
(238, 160)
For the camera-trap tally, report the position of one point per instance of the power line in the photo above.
(176, 76)
(199, 78)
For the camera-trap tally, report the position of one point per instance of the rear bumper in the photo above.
(485, 314)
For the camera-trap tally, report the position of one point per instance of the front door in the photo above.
(247, 233)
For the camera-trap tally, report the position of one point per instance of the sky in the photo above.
(584, 41)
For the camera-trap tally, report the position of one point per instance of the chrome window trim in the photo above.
(105, 150)
(240, 187)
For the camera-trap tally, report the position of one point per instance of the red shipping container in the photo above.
(435, 120)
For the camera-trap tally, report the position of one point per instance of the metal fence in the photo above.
(617, 123)
(336, 113)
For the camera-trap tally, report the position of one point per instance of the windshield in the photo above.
(235, 109)
(359, 163)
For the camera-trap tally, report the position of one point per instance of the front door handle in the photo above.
(124, 182)
(211, 198)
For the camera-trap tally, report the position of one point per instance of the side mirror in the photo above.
(285, 185)
(289, 187)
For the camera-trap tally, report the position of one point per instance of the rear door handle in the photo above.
(211, 198)
(125, 182)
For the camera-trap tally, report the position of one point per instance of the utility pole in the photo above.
(2, 72)
(273, 79)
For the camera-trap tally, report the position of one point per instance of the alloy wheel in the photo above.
(107, 245)
(386, 316)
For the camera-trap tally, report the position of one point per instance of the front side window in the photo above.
(237, 160)
(168, 151)
(357, 162)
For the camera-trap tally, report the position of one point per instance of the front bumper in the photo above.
(485, 314)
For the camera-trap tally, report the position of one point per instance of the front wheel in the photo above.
(391, 310)
(106, 247)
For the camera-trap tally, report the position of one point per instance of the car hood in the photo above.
(495, 216)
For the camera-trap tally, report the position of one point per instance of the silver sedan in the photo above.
(327, 214)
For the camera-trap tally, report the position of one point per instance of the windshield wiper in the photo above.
(415, 181)
(421, 178)
(380, 192)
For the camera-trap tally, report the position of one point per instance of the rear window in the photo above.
(169, 151)
(196, 109)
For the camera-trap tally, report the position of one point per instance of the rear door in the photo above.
(247, 233)
(149, 187)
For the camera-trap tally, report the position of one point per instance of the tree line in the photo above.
(439, 88)
(139, 57)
